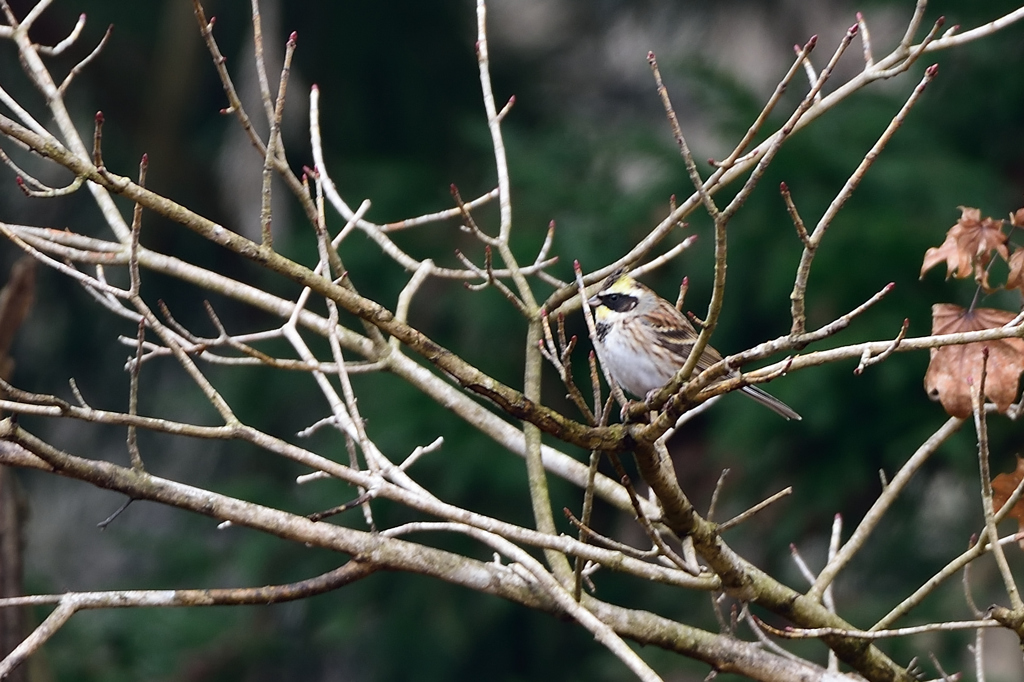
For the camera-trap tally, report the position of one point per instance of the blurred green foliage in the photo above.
(402, 118)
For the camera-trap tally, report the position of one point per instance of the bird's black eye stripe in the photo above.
(620, 303)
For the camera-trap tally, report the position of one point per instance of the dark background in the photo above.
(588, 147)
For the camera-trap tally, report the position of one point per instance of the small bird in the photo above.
(644, 340)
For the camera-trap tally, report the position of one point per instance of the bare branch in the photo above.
(67, 42)
(80, 66)
(275, 145)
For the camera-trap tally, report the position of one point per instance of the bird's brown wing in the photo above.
(678, 335)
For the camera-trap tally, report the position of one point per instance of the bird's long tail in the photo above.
(771, 402)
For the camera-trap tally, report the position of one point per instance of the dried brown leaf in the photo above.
(978, 236)
(1015, 280)
(957, 262)
(968, 246)
(1003, 486)
(953, 369)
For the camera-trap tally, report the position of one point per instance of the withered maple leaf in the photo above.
(1015, 280)
(968, 246)
(958, 263)
(1003, 486)
(953, 369)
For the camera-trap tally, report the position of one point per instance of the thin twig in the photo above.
(585, 515)
(979, 656)
(66, 42)
(421, 450)
(408, 291)
(274, 141)
(780, 89)
(754, 626)
(801, 565)
(977, 549)
(261, 64)
(714, 495)
(677, 133)
(981, 426)
(80, 66)
(814, 633)
(827, 598)
(653, 533)
(760, 506)
(810, 99)
(798, 223)
(97, 140)
(560, 357)
(605, 541)
(235, 107)
(812, 75)
(133, 399)
(885, 500)
(664, 258)
(814, 240)
(24, 179)
(867, 359)
(865, 40)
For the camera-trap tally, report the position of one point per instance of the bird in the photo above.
(643, 340)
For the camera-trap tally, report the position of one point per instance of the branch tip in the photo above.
(931, 71)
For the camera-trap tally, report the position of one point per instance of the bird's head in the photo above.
(619, 294)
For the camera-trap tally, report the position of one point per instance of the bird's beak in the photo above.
(594, 301)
